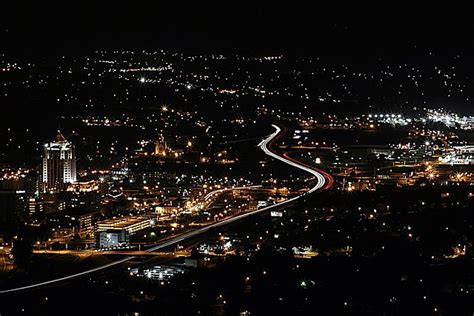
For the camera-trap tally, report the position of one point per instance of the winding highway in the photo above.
(323, 181)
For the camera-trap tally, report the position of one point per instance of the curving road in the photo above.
(324, 181)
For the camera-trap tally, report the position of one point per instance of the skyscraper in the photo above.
(59, 165)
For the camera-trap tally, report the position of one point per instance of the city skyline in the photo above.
(235, 160)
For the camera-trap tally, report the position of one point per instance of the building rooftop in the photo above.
(124, 222)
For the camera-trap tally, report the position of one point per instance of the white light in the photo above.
(142, 79)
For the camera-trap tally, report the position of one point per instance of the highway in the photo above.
(324, 181)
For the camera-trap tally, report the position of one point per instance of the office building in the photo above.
(59, 165)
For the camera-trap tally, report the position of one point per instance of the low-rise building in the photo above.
(131, 224)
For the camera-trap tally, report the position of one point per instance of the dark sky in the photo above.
(234, 26)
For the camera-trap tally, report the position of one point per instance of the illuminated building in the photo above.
(131, 224)
(84, 186)
(461, 155)
(35, 205)
(161, 147)
(59, 165)
(113, 238)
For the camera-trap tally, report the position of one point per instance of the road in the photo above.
(324, 181)
(87, 253)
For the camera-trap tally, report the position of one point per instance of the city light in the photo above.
(236, 181)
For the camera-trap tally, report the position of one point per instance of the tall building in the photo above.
(59, 165)
(13, 206)
(161, 147)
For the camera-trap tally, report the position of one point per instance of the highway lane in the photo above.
(69, 277)
(324, 181)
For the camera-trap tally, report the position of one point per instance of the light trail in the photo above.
(72, 276)
(324, 181)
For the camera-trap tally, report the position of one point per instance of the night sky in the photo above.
(237, 27)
